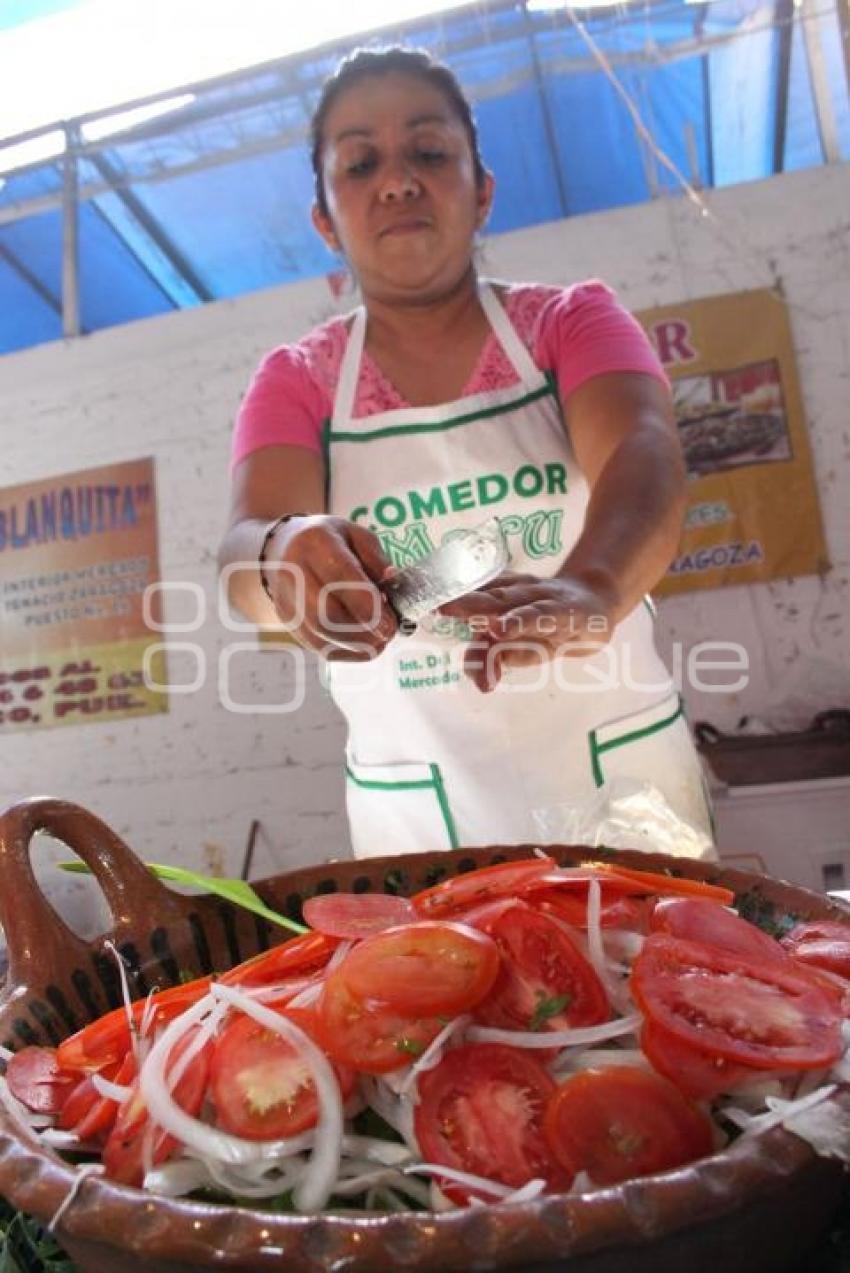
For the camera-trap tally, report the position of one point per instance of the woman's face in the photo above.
(399, 179)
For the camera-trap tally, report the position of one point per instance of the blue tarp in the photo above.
(558, 137)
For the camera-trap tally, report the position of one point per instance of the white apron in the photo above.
(431, 761)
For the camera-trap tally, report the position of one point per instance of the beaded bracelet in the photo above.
(261, 560)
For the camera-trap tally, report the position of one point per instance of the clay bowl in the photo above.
(757, 1206)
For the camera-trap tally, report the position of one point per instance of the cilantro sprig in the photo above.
(546, 1008)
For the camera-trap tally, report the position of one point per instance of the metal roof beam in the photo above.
(785, 21)
(151, 227)
(15, 263)
(821, 90)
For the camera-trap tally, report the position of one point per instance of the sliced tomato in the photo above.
(38, 1081)
(107, 1040)
(697, 1073)
(544, 981)
(698, 919)
(481, 1111)
(86, 1111)
(424, 969)
(574, 881)
(655, 882)
(356, 915)
(260, 1086)
(760, 1013)
(821, 943)
(571, 907)
(124, 1154)
(367, 1035)
(622, 1121)
(484, 885)
(304, 954)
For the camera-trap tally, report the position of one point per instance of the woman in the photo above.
(437, 405)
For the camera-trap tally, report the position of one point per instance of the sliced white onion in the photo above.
(373, 1149)
(178, 1177)
(582, 1183)
(279, 1179)
(433, 1054)
(308, 995)
(125, 995)
(598, 1058)
(465, 1178)
(24, 1117)
(595, 946)
(207, 1141)
(148, 1015)
(312, 1191)
(779, 1111)
(579, 1037)
(112, 1091)
(350, 1187)
(527, 1192)
(625, 943)
(59, 1139)
(395, 1110)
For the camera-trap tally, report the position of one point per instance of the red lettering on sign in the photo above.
(672, 341)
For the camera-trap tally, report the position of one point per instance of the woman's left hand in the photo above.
(521, 620)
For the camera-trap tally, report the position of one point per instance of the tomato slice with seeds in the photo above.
(106, 1041)
(37, 1079)
(544, 981)
(697, 1073)
(821, 943)
(259, 1084)
(124, 1152)
(622, 1121)
(700, 920)
(760, 1013)
(481, 1111)
(571, 907)
(355, 915)
(367, 1035)
(423, 969)
(90, 1114)
(484, 885)
(304, 954)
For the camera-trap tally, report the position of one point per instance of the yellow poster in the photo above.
(753, 510)
(76, 555)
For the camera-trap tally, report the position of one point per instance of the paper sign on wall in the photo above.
(76, 555)
(753, 511)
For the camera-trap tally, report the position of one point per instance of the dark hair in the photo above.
(364, 63)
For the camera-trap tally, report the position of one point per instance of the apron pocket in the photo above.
(398, 808)
(654, 746)
(621, 746)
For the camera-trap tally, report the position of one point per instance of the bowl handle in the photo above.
(41, 947)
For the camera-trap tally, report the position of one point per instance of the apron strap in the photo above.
(521, 360)
(343, 406)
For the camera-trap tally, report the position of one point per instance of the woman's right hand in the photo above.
(323, 573)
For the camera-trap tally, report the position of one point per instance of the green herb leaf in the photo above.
(413, 1046)
(239, 892)
(547, 1008)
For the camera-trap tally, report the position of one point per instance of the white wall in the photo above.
(185, 786)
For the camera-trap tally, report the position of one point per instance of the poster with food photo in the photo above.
(753, 511)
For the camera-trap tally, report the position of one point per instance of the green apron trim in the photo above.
(440, 788)
(597, 748)
(397, 430)
(434, 783)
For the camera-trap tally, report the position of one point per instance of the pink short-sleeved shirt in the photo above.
(575, 333)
